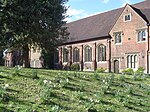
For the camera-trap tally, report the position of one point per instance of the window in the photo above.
(76, 54)
(88, 54)
(65, 55)
(118, 37)
(101, 50)
(141, 35)
(127, 17)
(132, 61)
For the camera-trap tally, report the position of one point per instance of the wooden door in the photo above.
(116, 66)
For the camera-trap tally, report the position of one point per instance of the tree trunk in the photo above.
(26, 60)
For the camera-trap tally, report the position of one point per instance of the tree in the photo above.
(33, 22)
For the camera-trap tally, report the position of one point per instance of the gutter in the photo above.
(148, 33)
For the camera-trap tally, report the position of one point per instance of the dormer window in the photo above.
(127, 17)
(118, 37)
(141, 35)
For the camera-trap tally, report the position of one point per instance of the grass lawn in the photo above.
(40, 90)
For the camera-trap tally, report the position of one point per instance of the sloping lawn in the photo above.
(40, 90)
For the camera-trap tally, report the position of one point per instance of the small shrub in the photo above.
(139, 74)
(140, 71)
(128, 71)
(100, 70)
(75, 67)
(66, 67)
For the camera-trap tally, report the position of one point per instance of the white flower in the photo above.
(6, 86)
(54, 85)
(91, 99)
(61, 81)
(103, 80)
(50, 82)
(45, 81)
(67, 80)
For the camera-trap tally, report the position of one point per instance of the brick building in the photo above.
(115, 40)
(15, 57)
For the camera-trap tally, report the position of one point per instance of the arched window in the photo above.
(76, 55)
(101, 52)
(65, 55)
(88, 54)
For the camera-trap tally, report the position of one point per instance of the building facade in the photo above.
(114, 40)
(14, 57)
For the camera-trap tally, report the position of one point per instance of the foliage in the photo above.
(39, 23)
(45, 94)
(75, 67)
(35, 74)
(128, 71)
(139, 73)
(3, 94)
(17, 70)
(140, 70)
(69, 91)
(100, 70)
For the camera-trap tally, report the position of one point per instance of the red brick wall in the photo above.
(90, 65)
(129, 39)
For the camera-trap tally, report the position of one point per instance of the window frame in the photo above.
(140, 36)
(126, 16)
(88, 54)
(101, 53)
(132, 60)
(76, 54)
(118, 36)
(65, 55)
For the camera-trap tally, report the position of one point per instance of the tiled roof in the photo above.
(99, 26)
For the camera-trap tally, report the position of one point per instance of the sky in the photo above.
(79, 9)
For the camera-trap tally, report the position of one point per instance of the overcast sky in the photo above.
(83, 8)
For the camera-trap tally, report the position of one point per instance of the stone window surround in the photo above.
(126, 16)
(102, 53)
(115, 34)
(141, 30)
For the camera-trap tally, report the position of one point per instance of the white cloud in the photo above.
(105, 1)
(125, 2)
(72, 11)
(75, 14)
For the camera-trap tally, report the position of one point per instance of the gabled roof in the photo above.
(99, 26)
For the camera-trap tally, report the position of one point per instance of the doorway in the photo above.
(116, 66)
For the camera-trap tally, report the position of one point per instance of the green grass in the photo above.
(66, 91)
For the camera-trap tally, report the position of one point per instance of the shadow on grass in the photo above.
(3, 109)
(72, 87)
(23, 102)
(5, 77)
(2, 81)
(12, 90)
